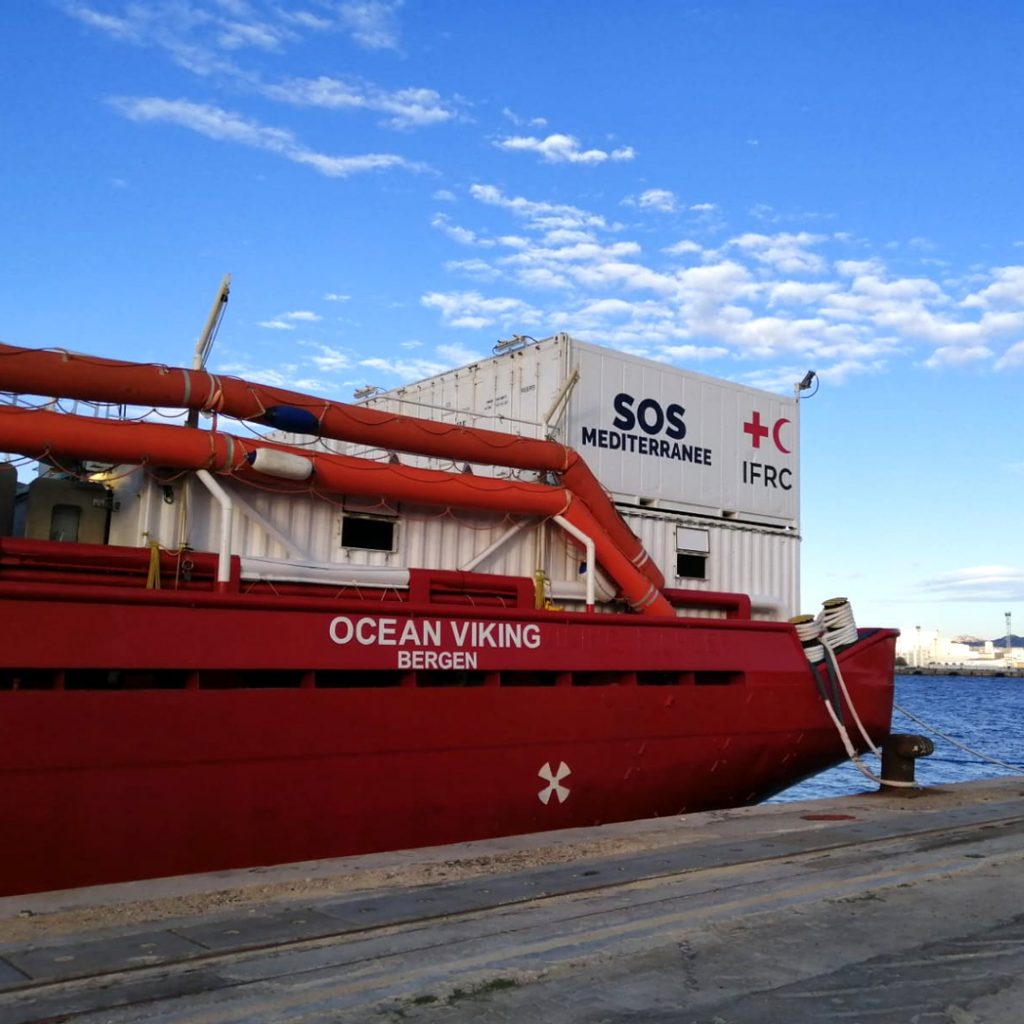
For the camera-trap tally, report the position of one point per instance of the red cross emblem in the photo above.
(755, 429)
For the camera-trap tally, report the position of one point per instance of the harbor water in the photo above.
(985, 713)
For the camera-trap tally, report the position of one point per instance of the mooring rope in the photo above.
(1016, 769)
(835, 627)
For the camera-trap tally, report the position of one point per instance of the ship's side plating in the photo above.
(202, 671)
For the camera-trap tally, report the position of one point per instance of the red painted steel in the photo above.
(202, 726)
(244, 762)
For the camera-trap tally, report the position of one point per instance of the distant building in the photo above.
(924, 648)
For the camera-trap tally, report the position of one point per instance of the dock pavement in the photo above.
(855, 910)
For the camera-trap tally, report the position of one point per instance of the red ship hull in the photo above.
(151, 732)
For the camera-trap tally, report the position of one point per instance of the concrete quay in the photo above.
(870, 908)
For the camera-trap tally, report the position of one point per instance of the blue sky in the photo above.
(746, 189)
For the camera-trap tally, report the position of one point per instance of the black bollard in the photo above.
(899, 751)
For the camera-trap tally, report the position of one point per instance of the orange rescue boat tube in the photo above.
(69, 375)
(637, 589)
(580, 479)
(93, 378)
(39, 433)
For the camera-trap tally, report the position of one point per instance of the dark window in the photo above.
(454, 678)
(64, 522)
(358, 679)
(529, 678)
(690, 566)
(718, 678)
(368, 532)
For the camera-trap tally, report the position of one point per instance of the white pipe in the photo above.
(561, 399)
(333, 573)
(587, 543)
(771, 604)
(227, 516)
(574, 590)
(471, 565)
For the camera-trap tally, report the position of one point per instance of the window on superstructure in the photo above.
(692, 550)
(64, 522)
(372, 533)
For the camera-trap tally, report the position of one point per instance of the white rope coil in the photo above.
(838, 625)
(808, 631)
(834, 627)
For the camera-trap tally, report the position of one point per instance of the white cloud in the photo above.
(557, 149)
(288, 321)
(210, 37)
(473, 310)
(447, 357)
(519, 122)
(694, 353)
(195, 36)
(119, 28)
(542, 277)
(408, 108)
(978, 583)
(786, 252)
(683, 248)
(284, 376)
(1007, 287)
(799, 293)
(464, 236)
(235, 35)
(1011, 358)
(584, 251)
(331, 359)
(372, 23)
(857, 268)
(478, 269)
(336, 297)
(758, 297)
(952, 355)
(225, 126)
(550, 216)
(661, 200)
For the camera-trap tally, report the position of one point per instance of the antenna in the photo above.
(371, 389)
(516, 341)
(205, 342)
(206, 337)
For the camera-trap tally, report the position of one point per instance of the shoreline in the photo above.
(960, 670)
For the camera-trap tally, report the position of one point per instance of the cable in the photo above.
(820, 636)
(949, 739)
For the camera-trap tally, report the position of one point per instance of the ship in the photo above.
(245, 626)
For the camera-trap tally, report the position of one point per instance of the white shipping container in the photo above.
(654, 435)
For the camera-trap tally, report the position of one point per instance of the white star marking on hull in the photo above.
(554, 782)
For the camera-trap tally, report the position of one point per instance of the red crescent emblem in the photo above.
(775, 435)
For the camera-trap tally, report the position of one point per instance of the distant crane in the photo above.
(1009, 649)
